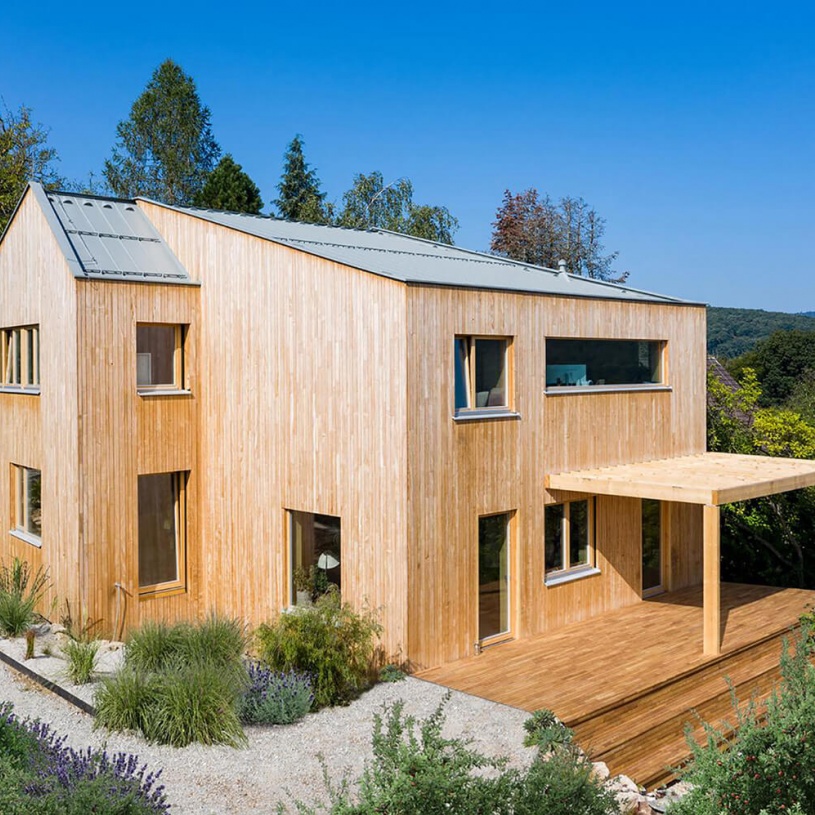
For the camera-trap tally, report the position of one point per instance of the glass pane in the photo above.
(155, 354)
(579, 533)
(462, 374)
(493, 575)
(31, 355)
(316, 547)
(553, 519)
(490, 373)
(651, 545)
(603, 362)
(158, 538)
(33, 486)
(18, 357)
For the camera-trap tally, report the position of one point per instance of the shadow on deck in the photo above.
(628, 682)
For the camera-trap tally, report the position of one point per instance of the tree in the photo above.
(533, 229)
(372, 204)
(165, 149)
(229, 187)
(24, 156)
(301, 198)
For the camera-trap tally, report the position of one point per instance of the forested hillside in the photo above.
(733, 331)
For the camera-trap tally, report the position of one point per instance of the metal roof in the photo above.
(417, 261)
(109, 239)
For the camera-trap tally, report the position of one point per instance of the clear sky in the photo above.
(689, 126)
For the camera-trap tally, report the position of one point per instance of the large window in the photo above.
(482, 373)
(569, 538)
(316, 555)
(159, 357)
(20, 358)
(27, 485)
(584, 363)
(162, 532)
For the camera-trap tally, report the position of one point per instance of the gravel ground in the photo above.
(280, 764)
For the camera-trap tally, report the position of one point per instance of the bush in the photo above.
(39, 775)
(329, 641)
(179, 684)
(768, 765)
(416, 771)
(81, 658)
(20, 591)
(275, 698)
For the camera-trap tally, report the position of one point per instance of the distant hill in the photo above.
(732, 331)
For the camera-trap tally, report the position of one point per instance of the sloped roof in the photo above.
(417, 261)
(108, 238)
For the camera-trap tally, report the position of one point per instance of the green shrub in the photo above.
(544, 731)
(275, 698)
(121, 700)
(768, 765)
(81, 658)
(150, 647)
(390, 673)
(416, 771)
(329, 641)
(20, 591)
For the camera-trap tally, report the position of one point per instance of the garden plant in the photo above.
(20, 592)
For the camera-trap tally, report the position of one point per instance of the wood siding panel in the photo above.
(36, 288)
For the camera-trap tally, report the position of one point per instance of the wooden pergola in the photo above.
(709, 479)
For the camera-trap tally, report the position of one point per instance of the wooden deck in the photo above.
(627, 682)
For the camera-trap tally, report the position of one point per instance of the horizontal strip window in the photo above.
(20, 358)
(573, 363)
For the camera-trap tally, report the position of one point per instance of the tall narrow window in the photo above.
(162, 532)
(316, 555)
(28, 503)
(159, 357)
(20, 358)
(481, 373)
(651, 547)
(569, 532)
(493, 575)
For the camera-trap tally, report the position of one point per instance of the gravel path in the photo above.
(281, 763)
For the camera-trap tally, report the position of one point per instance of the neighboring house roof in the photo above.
(722, 374)
(108, 238)
(417, 261)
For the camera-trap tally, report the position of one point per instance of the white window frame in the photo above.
(20, 359)
(568, 572)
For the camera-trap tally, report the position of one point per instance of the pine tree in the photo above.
(165, 149)
(228, 187)
(300, 196)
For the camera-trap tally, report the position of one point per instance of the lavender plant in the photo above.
(275, 697)
(49, 776)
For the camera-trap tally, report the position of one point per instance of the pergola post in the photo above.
(711, 605)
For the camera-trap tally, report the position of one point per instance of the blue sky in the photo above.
(689, 127)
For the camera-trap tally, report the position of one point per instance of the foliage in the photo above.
(81, 658)
(82, 629)
(40, 775)
(732, 332)
(165, 149)
(535, 229)
(769, 763)
(780, 362)
(543, 730)
(390, 673)
(274, 697)
(417, 771)
(24, 156)
(228, 187)
(20, 591)
(372, 204)
(329, 641)
(301, 198)
(179, 684)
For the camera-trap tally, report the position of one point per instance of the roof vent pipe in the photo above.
(561, 266)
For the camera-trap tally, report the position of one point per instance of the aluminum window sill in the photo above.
(569, 577)
(27, 537)
(21, 391)
(562, 390)
(479, 415)
(164, 392)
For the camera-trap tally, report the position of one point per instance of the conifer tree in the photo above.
(228, 187)
(165, 148)
(301, 198)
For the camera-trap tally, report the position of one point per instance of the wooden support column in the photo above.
(711, 606)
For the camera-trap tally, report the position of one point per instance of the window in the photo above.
(569, 533)
(162, 532)
(493, 575)
(20, 358)
(159, 357)
(316, 555)
(27, 504)
(583, 363)
(482, 373)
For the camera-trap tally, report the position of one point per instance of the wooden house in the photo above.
(198, 408)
